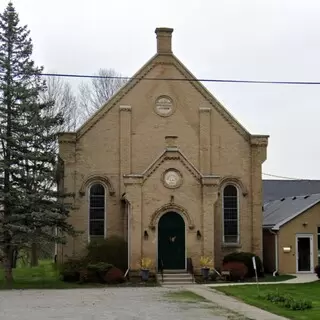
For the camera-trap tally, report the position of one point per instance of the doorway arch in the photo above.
(171, 241)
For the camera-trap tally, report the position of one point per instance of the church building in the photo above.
(166, 166)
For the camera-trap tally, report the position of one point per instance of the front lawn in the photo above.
(303, 291)
(266, 278)
(46, 276)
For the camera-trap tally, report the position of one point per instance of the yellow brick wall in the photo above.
(123, 144)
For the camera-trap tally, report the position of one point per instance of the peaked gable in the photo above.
(164, 56)
(279, 212)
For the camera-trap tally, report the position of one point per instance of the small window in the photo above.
(97, 211)
(230, 215)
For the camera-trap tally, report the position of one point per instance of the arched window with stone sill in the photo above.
(230, 210)
(97, 211)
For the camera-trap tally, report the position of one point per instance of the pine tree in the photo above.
(29, 202)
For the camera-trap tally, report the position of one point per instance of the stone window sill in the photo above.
(231, 245)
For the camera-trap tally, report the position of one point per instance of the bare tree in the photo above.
(99, 91)
(65, 102)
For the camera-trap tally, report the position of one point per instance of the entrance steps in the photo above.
(175, 278)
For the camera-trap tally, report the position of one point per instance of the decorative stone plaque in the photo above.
(164, 106)
(172, 178)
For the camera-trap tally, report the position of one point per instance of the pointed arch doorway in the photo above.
(171, 241)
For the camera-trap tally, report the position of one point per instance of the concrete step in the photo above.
(177, 275)
(169, 271)
(176, 284)
(175, 278)
(181, 279)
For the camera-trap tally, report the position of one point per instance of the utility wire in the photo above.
(69, 75)
(283, 177)
(193, 80)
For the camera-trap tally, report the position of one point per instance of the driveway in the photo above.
(104, 304)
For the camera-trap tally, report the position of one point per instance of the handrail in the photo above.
(190, 268)
(125, 275)
(161, 268)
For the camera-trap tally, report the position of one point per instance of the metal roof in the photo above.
(278, 212)
(277, 189)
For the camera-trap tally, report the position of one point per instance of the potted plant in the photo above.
(145, 264)
(206, 264)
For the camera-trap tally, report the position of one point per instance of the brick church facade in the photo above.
(167, 167)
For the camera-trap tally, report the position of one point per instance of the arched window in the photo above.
(230, 214)
(97, 203)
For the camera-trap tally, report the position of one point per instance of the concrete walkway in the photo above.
(230, 303)
(300, 278)
(238, 306)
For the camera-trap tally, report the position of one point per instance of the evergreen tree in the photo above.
(29, 203)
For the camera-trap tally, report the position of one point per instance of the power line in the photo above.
(283, 177)
(70, 75)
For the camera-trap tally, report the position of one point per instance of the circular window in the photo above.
(172, 178)
(164, 106)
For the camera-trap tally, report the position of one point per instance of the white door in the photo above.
(304, 253)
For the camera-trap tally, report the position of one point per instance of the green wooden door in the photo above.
(171, 241)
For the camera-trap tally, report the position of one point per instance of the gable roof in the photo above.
(276, 213)
(277, 189)
(164, 59)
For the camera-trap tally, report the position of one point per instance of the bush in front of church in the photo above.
(246, 259)
(105, 261)
(113, 250)
(114, 276)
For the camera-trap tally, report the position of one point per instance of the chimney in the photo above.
(164, 36)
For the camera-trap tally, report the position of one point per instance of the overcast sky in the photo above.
(247, 39)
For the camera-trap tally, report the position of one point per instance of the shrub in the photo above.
(113, 250)
(287, 301)
(238, 270)
(246, 258)
(113, 276)
(70, 270)
(317, 271)
(94, 273)
(79, 270)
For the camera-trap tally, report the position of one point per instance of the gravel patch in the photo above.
(100, 304)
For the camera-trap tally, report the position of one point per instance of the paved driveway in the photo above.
(102, 304)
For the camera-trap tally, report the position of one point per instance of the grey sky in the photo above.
(247, 39)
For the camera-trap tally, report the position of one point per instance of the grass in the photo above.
(46, 276)
(266, 278)
(308, 291)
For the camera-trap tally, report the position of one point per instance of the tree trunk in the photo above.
(7, 263)
(14, 258)
(34, 255)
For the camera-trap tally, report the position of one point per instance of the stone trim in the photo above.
(209, 97)
(204, 109)
(259, 140)
(210, 180)
(150, 65)
(170, 207)
(98, 178)
(125, 108)
(166, 184)
(172, 154)
(90, 123)
(132, 179)
(233, 180)
(67, 137)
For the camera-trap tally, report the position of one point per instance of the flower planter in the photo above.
(144, 274)
(205, 273)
